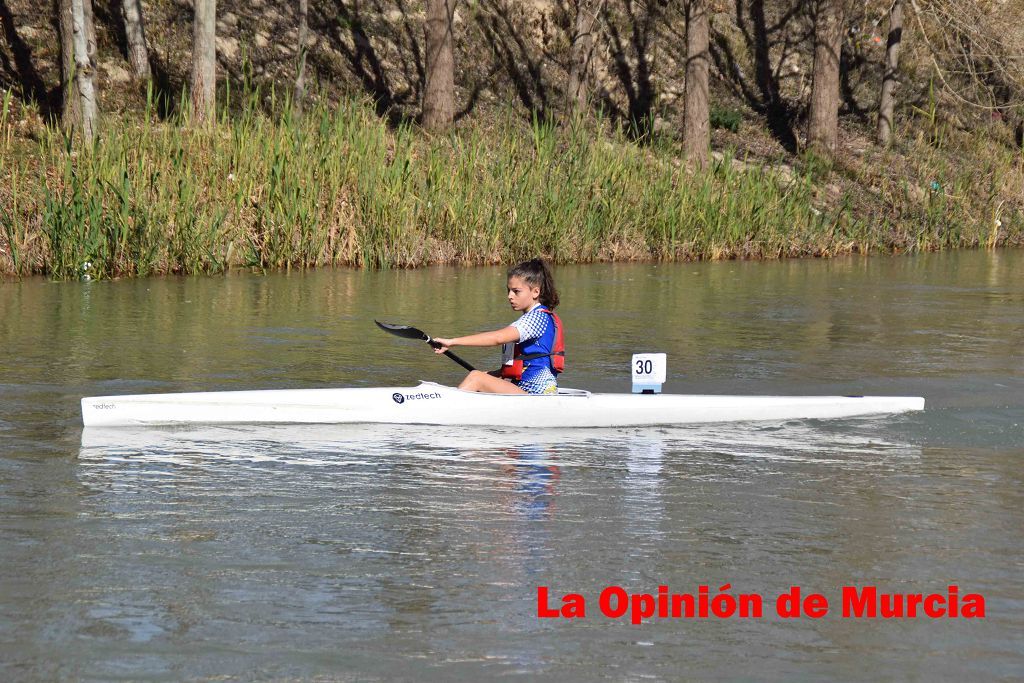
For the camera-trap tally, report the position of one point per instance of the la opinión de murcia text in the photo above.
(855, 602)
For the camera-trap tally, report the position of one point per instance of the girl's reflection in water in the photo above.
(532, 476)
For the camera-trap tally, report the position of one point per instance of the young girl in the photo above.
(533, 353)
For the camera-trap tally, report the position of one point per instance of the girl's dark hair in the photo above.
(536, 273)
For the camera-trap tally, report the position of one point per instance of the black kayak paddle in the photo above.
(407, 332)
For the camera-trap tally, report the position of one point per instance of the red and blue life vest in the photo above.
(550, 346)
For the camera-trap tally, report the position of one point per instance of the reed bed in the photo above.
(339, 186)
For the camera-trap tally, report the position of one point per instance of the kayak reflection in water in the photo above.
(533, 353)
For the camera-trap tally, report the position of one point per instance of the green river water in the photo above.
(398, 553)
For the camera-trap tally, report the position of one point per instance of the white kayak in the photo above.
(435, 404)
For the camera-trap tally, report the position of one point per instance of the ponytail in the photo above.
(536, 273)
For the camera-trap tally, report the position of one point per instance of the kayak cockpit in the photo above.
(581, 393)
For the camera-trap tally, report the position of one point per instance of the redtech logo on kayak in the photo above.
(402, 398)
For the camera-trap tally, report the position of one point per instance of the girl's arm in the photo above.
(494, 338)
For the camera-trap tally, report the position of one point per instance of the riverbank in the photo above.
(341, 187)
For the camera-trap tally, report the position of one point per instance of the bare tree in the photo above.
(887, 100)
(975, 47)
(439, 90)
(823, 123)
(204, 61)
(581, 54)
(71, 113)
(300, 54)
(138, 50)
(696, 122)
(79, 91)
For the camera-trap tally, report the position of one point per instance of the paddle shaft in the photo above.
(451, 355)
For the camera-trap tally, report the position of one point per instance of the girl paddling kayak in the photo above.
(534, 351)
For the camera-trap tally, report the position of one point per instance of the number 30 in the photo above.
(644, 367)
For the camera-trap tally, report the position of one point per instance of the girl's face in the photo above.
(521, 294)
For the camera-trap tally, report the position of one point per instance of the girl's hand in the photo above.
(445, 344)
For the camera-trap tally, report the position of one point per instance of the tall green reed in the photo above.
(338, 185)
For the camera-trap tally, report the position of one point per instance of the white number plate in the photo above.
(649, 368)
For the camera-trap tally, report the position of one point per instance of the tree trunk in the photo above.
(71, 113)
(887, 101)
(90, 32)
(204, 61)
(697, 122)
(300, 53)
(582, 50)
(138, 51)
(83, 69)
(823, 124)
(439, 92)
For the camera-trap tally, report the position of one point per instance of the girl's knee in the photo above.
(472, 380)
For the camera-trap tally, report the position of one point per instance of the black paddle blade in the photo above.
(412, 333)
(403, 331)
